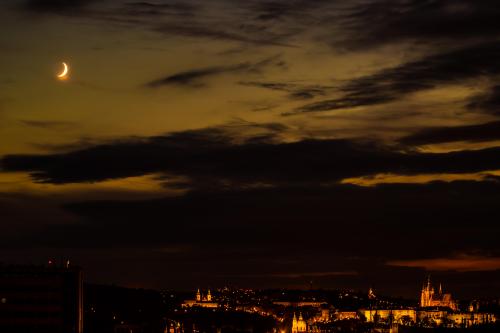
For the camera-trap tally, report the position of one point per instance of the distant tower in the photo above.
(209, 296)
(427, 294)
(371, 294)
(440, 289)
(198, 295)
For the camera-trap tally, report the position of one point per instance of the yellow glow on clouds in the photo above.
(18, 182)
(390, 178)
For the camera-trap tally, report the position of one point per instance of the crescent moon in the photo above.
(64, 73)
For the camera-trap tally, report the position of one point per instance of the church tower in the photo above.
(209, 296)
(198, 295)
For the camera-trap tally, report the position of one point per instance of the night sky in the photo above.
(351, 143)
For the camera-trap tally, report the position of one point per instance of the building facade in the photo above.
(400, 316)
(41, 299)
(468, 319)
(347, 315)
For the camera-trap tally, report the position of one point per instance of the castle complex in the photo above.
(429, 298)
(317, 315)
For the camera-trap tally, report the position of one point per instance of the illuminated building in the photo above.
(324, 315)
(298, 325)
(401, 316)
(347, 315)
(41, 299)
(436, 309)
(429, 298)
(454, 319)
(468, 319)
(299, 304)
(204, 301)
(432, 316)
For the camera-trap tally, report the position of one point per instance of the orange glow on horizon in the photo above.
(460, 263)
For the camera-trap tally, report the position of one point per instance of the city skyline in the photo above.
(261, 144)
(54, 298)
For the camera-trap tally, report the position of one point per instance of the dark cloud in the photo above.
(223, 158)
(283, 230)
(56, 5)
(267, 217)
(247, 23)
(472, 133)
(351, 100)
(194, 77)
(295, 91)
(452, 67)
(284, 23)
(156, 9)
(272, 10)
(235, 35)
(275, 10)
(261, 209)
(307, 93)
(271, 85)
(49, 124)
(488, 102)
(390, 21)
(181, 18)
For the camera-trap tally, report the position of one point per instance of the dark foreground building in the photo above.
(41, 299)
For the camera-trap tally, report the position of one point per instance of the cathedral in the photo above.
(429, 298)
(298, 326)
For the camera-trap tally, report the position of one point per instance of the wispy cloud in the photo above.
(450, 67)
(49, 124)
(295, 91)
(487, 102)
(195, 77)
(56, 5)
